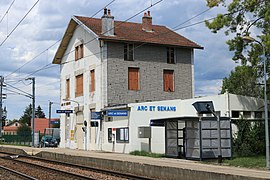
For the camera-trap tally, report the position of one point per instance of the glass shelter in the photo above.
(197, 137)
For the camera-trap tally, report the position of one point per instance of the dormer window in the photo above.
(170, 55)
(78, 52)
(129, 52)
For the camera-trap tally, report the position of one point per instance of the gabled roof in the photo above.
(125, 32)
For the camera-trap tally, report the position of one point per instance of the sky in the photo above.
(30, 38)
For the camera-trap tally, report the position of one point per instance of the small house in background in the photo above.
(11, 128)
(42, 123)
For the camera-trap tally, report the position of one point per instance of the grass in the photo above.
(257, 162)
(248, 162)
(145, 153)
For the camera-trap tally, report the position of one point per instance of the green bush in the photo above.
(250, 139)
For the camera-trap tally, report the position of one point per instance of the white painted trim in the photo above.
(84, 26)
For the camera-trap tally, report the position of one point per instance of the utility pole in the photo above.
(50, 110)
(33, 109)
(1, 103)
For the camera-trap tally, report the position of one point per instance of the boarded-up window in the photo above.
(79, 85)
(67, 88)
(170, 55)
(133, 79)
(78, 52)
(92, 84)
(128, 52)
(168, 80)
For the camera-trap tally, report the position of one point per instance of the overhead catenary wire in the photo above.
(169, 31)
(104, 32)
(19, 23)
(147, 8)
(47, 66)
(7, 11)
(174, 29)
(18, 89)
(17, 93)
(54, 43)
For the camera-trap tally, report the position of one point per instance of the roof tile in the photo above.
(128, 31)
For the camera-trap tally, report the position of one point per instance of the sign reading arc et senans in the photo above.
(156, 108)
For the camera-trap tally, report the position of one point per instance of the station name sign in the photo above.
(117, 113)
(64, 111)
(96, 115)
(156, 108)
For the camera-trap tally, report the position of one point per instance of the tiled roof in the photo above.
(42, 123)
(10, 128)
(127, 31)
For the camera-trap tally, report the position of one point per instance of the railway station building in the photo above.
(106, 63)
(143, 71)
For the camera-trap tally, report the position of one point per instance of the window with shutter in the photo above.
(92, 84)
(79, 52)
(76, 53)
(168, 80)
(79, 85)
(67, 89)
(133, 79)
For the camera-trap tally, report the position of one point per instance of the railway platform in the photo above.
(158, 168)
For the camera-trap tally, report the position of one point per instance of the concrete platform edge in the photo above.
(152, 171)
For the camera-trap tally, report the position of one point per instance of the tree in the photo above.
(39, 112)
(27, 115)
(242, 16)
(242, 81)
(24, 132)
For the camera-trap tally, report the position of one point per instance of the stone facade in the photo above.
(151, 61)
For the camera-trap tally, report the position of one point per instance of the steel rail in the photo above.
(18, 173)
(94, 169)
(74, 175)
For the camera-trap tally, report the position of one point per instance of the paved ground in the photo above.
(165, 162)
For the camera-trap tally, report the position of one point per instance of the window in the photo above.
(122, 135)
(168, 80)
(247, 114)
(133, 79)
(78, 52)
(79, 85)
(92, 84)
(67, 89)
(110, 135)
(129, 52)
(235, 114)
(170, 55)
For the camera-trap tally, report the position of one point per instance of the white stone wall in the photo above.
(69, 69)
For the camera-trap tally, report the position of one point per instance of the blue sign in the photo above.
(54, 122)
(117, 113)
(95, 115)
(64, 111)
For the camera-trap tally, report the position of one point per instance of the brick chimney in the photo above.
(147, 22)
(107, 20)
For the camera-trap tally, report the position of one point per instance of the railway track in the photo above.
(75, 170)
(14, 174)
